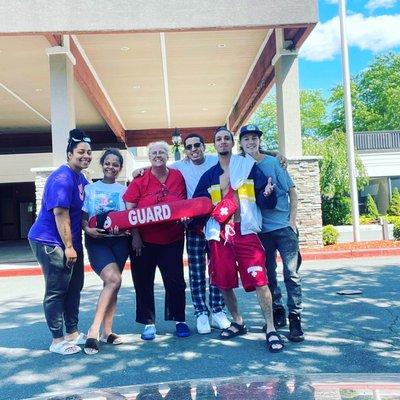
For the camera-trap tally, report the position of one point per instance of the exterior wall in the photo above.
(17, 167)
(150, 15)
(378, 164)
(305, 174)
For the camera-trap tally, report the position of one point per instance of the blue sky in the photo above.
(373, 27)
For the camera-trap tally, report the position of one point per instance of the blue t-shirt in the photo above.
(102, 197)
(64, 188)
(278, 217)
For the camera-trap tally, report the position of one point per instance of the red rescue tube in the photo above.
(155, 214)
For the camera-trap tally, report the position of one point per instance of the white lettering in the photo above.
(149, 216)
(166, 211)
(157, 213)
(132, 217)
(141, 214)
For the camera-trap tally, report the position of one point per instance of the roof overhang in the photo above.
(145, 67)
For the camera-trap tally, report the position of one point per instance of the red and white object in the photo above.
(151, 215)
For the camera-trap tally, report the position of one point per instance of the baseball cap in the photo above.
(250, 128)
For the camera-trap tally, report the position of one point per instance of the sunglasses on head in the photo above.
(194, 145)
(84, 139)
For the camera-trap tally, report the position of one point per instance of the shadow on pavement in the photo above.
(357, 334)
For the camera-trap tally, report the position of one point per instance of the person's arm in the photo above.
(137, 243)
(264, 189)
(63, 223)
(93, 232)
(293, 208)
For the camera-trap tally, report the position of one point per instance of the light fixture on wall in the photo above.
(176, 142)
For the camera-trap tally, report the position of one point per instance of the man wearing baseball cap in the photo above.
(279, 233)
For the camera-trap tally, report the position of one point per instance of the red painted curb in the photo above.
(306, 256)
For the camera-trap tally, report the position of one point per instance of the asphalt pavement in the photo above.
(358, 334)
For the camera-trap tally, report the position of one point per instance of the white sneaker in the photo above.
(203, 325)
(219, 320)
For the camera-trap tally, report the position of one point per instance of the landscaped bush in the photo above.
(365, 219)
(394, 204)
(392, 219)
(396, 231)
(371, 208)
(336, 211)
(329, 235)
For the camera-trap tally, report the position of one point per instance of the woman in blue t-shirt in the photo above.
(107, 252)
(56, 242)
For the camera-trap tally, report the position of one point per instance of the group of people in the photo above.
(253, 218)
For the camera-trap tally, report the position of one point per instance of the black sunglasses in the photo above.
(194, 145)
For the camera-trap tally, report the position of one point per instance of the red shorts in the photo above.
(241, 253)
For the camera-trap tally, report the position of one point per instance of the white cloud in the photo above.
(374, 4)
(375, 33)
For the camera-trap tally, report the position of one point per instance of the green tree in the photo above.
(394, 204)
(375, 97)
(334, 176)
(314, 117)
(371, 210)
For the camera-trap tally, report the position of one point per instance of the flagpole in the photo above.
(349, 123)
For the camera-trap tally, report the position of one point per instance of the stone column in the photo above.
(62, 98)
(305, 174)
(40, 180)
(287, 97)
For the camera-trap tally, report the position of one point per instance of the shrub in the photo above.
(392, 219)
(336, 210)
(396, 231)
(371, 208)
(394, 204)
(329, 235)
(366, 219)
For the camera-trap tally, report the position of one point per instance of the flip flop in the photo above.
(228, 333)
(112, 338)
(79, 340)
(64, 348)
(272, 342)
(91, 346)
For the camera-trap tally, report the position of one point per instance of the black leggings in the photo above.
(169, 259)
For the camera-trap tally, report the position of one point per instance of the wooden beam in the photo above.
(256, 87)
(88, 83)
(262, 77)
(53, 39)
(142, 137)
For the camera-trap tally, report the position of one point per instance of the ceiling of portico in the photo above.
(201, 77)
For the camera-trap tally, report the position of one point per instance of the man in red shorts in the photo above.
(239, 189)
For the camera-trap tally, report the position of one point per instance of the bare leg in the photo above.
(265, 300)
(112, 282)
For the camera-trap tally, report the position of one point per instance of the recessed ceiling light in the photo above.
(221, 45)
(142, 111)
(211, 84)
(38, 90)
(125, 48)
(136, 87)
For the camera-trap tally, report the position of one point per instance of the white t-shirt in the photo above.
(102, 197)
(192, 172)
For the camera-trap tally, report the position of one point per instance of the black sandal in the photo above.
(91, 346)
(228, 333)
(271, 343)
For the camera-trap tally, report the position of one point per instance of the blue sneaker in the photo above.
(182, 330)
(149, 332)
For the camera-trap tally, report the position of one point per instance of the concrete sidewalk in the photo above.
(16, 258)
(344, 335)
